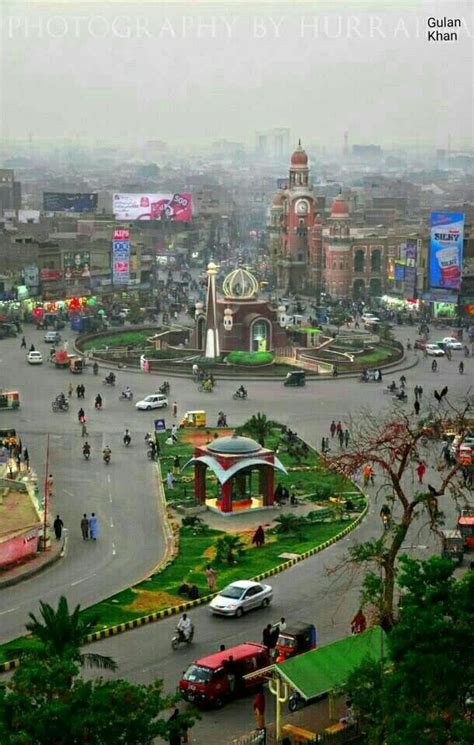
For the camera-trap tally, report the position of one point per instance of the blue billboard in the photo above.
(446, 243)
(54, 201)
(121, 257)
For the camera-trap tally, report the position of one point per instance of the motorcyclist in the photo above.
(385, 514)
(95, 368)
(242, 392)
(98, 401)
(184, 627)
(358, 623)
(392, 387)
(127, 438)
(365, 374)
(61, 399)
(110, 378)
(106, 453)
(402, 396)
(86, 450)
(466, 351)
(81, 415)
(127, 393)
(434, 366)
(403, 381)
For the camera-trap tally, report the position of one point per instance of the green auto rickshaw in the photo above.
(295, 378)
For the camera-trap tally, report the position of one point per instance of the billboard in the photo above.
(50, 275)
(411, 253)
(77, 264)
(399, 271)
(446, 242)
(54, 201)
(175, 207)
(121, 257)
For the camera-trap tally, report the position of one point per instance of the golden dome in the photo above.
(240, 285)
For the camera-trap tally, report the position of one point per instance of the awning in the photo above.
(223, 475)
(323, 669)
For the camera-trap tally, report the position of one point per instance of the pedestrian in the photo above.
(23, 343)
(281, 624)
(174, 430)
(340, 435)
(323, 445)
(58, 527)
(338, 428)
(174, 729)
(417, 407)
(421, 470)
(229, 667)
(26, 458)
(83, 390)
(50, 485)
(70, 390)
(420, 392)
(84, 432)
(267, 637)
(175, 408)
(332, 428)
(78, 390)
(176, 465)
(347, 437)
(93, 529)
(85, 527)
(259, 537)
(169, 480)
(211, 578)
(32, 348)
(367, 473)
(415, 391)
(259, 708)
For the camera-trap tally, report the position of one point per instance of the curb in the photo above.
(51, 560)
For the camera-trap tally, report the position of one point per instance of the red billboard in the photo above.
(50, 275)
(174, 207)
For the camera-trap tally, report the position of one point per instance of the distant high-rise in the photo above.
(10, 190)
(273, 143)
(345, 152)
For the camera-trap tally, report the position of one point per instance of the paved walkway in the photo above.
(19, 572)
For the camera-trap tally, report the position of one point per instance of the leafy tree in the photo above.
(47, 703)
(61, 633)
(391, 445)
(258, 427)
(229, 549)
(423, 693)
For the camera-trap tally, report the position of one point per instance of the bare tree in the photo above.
(393, 445)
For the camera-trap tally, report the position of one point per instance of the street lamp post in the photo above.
(45, 541)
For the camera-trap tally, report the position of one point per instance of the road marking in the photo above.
(108, 478)
(113, 549)
(111, 523)
(83, 579)
(10, 610)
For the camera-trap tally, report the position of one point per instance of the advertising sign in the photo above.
(29, 216)
(175, 207)
(447, 232)
(77, 265)
(54, 201)
(121, 257)
(50, 275)
(31, 276)
(399, 271)
(411, 252)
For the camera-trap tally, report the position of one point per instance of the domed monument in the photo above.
(239, 320)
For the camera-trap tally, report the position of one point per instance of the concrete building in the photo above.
(10, 191)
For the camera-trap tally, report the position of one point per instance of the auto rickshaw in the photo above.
(295, 639)
(193, 419)
(453, 546)
(9, 400)
(295, 378)
(76, 365)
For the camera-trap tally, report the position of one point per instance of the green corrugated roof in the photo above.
(325, 668)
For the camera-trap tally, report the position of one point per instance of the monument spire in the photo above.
(212, 334)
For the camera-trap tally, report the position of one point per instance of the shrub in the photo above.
(249, 358)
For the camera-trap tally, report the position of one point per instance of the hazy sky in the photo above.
(195, 71)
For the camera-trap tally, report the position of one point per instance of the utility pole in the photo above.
(45, 541)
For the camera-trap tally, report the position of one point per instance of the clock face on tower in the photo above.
(301, 207)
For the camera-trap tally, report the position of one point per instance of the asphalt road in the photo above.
(306, 592)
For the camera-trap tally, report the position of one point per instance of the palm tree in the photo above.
(289, 523)
(259, 427)
(61, 633)
(228, 548)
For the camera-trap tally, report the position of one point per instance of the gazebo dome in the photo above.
(240, 285)
(234, 445)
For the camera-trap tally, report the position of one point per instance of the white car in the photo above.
(434, 351)
(451, 343)
(370, 318)
(35, 358)
(241, 596)
(156, 401)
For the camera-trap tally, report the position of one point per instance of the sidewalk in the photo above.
(27, 569)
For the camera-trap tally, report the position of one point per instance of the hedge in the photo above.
(249, 358)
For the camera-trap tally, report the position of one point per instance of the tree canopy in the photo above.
(423, 692)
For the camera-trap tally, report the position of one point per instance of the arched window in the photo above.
(376, 262)
(359, 261)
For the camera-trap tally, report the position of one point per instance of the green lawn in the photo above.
(120, 339)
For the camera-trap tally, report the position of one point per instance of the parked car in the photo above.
(35, 358)
(451, 343)
(52, 337)
(240, 597)
(156, 401)
(434, 351)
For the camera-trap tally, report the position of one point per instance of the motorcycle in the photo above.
(56, 406)
(86, 453)
(401, 399)
(206, 388)
(164, 388)
(179, 638)
(240, 394)
(126, 396)
(127, 440)
(109, 381)
(106, 458)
